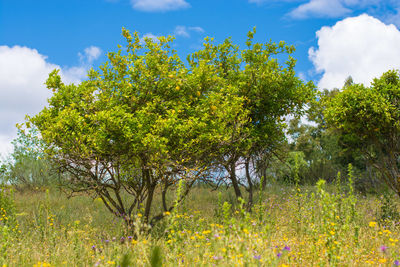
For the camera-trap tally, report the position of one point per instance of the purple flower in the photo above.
(257, 257)
(217, 257)
(130, 238)
(94, 247)
(384, 248)
(287, 248)
(279, 254)
(396, 263)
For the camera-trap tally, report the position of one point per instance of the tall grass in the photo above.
(289, 226)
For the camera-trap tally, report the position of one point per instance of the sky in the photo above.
(333, 38)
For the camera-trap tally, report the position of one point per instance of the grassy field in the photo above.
(288, 226)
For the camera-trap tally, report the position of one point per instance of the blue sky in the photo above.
(333, 38)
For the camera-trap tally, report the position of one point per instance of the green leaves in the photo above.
(146, 114)
(367, 119)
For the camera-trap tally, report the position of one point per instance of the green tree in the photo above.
(368, 121)
(27, 166)
(270, 90)
(138, 125)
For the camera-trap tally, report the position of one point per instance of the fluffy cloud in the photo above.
(363, 47)
(266, 1)
(159, 5)
(149, 35)
(332, 8)
(184, 31)
(91, 53)
(22, 90)
(321, 8)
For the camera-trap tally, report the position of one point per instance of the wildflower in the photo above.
(396, 263)
(257, 257)
(287, 248)
(279, 254)
(384, 248)
(372, 224)
(217, 258)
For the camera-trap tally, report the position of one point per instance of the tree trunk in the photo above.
(264, 179)
(150, 193)
(149, 200)
(233, 178)
(250, 184)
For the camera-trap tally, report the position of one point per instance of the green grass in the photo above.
(290, 227)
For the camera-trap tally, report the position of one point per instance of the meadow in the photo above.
(321, 225)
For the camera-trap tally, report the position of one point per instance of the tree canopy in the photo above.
(146, 120)
(368, 120)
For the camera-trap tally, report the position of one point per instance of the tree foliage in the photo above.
(27, 166)
(368, 120)
(138, 125)
(270, 90)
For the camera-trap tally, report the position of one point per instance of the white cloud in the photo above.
(181, 31)
(185, 31)
(92, 53)
(22, 89)
(363, 47)
(327, 8)
(149, 35)
(265, 1)
(159, 5)
(320, 8)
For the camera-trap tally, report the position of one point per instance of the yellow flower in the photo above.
(372, 224)
(382, 260)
